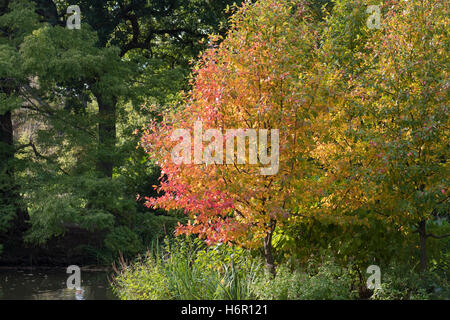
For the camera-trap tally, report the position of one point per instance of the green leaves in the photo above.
(19, 21)
(9, 103)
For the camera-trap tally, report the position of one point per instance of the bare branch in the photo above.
(437, 237)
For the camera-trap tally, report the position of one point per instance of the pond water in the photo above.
(51, 284)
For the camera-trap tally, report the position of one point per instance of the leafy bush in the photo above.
(401, 282)
(329, 282)
(142, 281)
(123, 240)
(151, 227)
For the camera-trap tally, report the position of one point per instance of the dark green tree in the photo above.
(72, 99)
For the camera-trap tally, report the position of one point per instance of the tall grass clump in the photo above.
(187, 269)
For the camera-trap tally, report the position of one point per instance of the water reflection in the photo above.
(79, 294)
(51, 285)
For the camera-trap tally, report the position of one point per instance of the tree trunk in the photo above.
(106, 134)
(268, 249)
(423, 246)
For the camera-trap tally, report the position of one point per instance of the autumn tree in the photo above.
(261, 76)
(385, 154)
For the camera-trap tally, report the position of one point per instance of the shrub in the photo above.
(151, 227)
(123, 240)
(401, 282)
(329, 282)
(142, 281)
